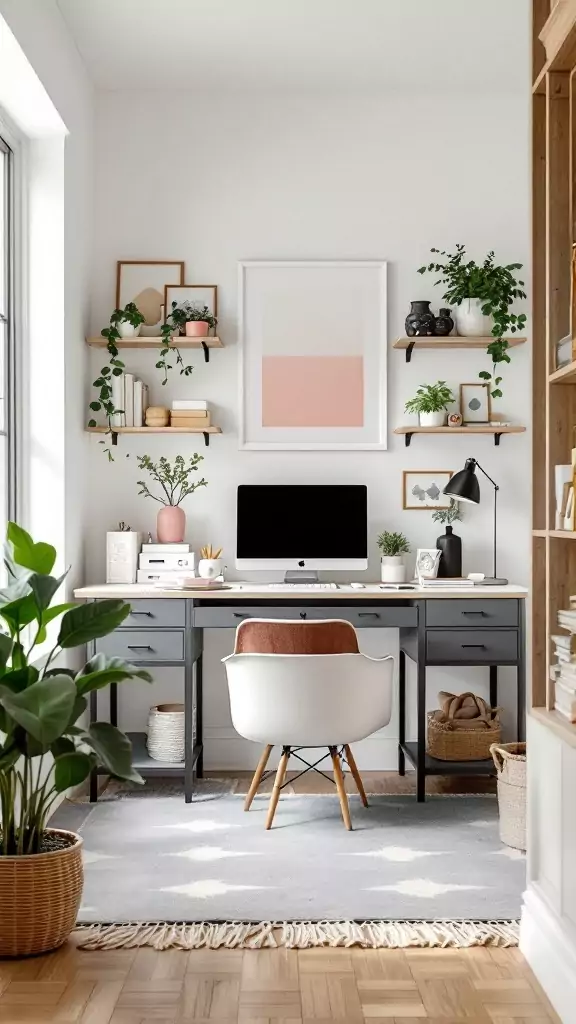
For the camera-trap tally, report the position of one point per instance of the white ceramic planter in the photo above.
(470, 320)
(392, 569)
(209, 568)
(127, 331)
(432, 419)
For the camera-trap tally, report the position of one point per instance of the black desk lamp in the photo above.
(464, 486)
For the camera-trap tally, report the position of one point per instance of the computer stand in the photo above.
(301, 576)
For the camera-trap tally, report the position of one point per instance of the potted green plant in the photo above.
(431, 403)
(126, 323)
(392, 547)
(175, 485)
(483, 295)
(45, 747)
(194, 321)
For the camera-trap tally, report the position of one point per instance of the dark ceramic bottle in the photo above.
(451, 558)
(443, 323)
(420, 319)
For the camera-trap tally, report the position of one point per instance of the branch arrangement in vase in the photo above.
(175, 485)
(431, 403)
(177, 319)
(447, 516)
(480, 291)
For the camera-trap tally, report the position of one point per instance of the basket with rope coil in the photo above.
(464, 728)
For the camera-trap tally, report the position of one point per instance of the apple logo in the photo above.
(302, 563)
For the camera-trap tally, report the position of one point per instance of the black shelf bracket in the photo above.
(206, 354)
(206, 438)
(407, 439)
(497, 437)
(114, 434)
(409, 353)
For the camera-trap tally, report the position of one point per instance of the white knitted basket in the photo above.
(166, 732)
(510, 761)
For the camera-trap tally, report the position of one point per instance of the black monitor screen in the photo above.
(304, 521)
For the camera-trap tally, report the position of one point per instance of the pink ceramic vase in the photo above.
(171, 525)
(196, 328)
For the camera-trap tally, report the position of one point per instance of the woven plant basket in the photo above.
(166, 732)
(462, 744)
(40, 895)
(510, 761)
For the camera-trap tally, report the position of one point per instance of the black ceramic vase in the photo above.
(451, 558)
(420, 320)
(443, 323)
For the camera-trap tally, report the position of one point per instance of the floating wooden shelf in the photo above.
(565, 375)
(451, 341)
(559, 534)
(206, 431)
(154, 343)
(496, 431)
(557, 723)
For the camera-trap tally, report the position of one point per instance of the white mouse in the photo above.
(358, 586)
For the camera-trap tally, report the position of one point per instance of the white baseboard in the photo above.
(549, 944)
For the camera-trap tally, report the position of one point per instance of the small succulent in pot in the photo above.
(431, 403)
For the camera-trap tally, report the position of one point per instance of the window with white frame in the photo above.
(7, 368)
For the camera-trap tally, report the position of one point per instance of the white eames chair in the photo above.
(305, 684)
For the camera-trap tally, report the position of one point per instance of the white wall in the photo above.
(216, 179)
(60, 171)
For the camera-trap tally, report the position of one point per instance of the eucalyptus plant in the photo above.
(496, 286)
(45, 747)
(447, 516)
(392, 544)
(175, 482)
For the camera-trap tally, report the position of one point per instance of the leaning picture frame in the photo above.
(313, 355)
(475, 403)
(143, 282)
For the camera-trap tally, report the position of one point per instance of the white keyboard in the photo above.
(302, 586)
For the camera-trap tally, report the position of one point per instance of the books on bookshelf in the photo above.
(191, 412)
(563, 671)
(130, 396)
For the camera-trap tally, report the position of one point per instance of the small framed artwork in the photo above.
(143, 282)
(475, 403)
(423, 489)
(427, 562)
(198, 295)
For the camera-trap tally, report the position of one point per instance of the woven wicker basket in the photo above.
(39, 898)
(166, 732)
(450, 744)
(510, 761)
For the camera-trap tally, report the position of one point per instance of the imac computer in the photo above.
(302, 529)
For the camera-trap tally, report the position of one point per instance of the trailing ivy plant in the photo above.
(176, 320)
(131, 315)
(497, 287)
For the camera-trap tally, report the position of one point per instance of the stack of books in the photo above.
(190, 413)
(165, 563)
(564, 670)
(130, 395)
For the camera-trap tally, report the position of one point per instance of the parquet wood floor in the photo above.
(279, 986)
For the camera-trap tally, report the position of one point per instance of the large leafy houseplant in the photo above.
(45, 746)
(496, 286)
(430, 398)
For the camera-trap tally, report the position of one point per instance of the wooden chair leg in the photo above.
(278, 781)
(257, 777)
(356, 774)
(340, 786)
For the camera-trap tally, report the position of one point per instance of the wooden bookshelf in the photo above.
(554, 389)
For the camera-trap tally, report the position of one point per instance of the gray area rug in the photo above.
(164, 861)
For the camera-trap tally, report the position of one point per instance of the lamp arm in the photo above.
(482, 470)
(496, 489)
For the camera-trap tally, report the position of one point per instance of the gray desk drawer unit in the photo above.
(433, 631)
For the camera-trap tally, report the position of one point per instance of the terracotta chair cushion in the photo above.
(264, 636)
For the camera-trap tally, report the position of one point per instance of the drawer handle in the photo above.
(473, 613)
(141, 613)
(302, 615)
(241, 615)
(473, 645)
(364, 615)
(140, 647)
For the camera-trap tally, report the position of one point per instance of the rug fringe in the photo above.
(298, 934)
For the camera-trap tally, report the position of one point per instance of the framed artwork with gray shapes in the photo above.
(475, 403)
(422, 489)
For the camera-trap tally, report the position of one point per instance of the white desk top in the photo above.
(244, 591)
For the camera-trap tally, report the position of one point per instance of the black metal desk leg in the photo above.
(199, 718)
(421, 714)
(93, 707)
(114, 703)
(188, 737)
(401, 712)
(493, 686)
(521, 678)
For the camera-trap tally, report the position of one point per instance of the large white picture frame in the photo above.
(313, 355)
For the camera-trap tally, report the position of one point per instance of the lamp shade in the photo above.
(464, 486)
